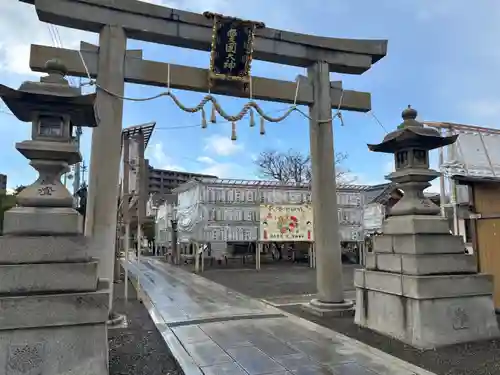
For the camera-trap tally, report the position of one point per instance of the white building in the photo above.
(224, 211)
(161, 207)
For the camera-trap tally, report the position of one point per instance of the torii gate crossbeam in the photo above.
(153, 73)
(158, 24)
(117, 20)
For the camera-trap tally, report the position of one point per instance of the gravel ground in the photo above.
(480, 358)
(273, 280)
(138, 349)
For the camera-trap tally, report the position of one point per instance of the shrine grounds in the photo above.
(278, 282)
(137, 348)
(286, 285)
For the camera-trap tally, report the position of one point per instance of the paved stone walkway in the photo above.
(213, 330)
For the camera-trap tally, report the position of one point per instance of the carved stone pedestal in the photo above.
(53, 309)
(421, 288)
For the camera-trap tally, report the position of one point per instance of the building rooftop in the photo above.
(484, 179)
(379, 193)
(146, 129)
(181, 172)
(275, 184)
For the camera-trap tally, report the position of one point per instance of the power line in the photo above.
(57, 35)
(180, 127)
(370, 113)
(57, 42)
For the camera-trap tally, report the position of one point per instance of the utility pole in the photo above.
(78, 134)
(84, 170)
(76, 179)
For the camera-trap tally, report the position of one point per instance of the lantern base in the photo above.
(55, 333)
(420, 287)
(426, 312)
(79, 349)
(42, 221)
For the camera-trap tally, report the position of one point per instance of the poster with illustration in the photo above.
(290, 223)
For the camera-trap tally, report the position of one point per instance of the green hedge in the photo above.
(7, 201)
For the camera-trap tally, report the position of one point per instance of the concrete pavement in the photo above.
(214, 330)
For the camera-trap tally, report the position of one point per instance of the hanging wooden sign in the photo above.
(232, 47)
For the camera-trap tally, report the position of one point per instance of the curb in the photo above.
(184, 360)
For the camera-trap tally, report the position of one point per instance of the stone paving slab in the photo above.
(184, 300)
(214, 330)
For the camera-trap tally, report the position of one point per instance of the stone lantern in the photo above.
(419, 286)
(54, 308)
(411, 144)
(53, 108)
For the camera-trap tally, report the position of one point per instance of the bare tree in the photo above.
(294, 167)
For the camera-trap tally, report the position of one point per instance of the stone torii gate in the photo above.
(112, 65)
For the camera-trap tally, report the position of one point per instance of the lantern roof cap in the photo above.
(51, 94)
(409, 113)
(411, 133)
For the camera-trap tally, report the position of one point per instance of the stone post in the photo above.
(54, 306)
(330, 298)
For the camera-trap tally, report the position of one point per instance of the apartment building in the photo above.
(162, 181)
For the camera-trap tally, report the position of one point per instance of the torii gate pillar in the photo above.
(324, 197)
(106, 149)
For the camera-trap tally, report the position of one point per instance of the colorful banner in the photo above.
(286, 223)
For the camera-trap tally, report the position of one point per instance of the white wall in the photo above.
(163, 229)
(218, 212)
(475, 154)
(133, 156)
